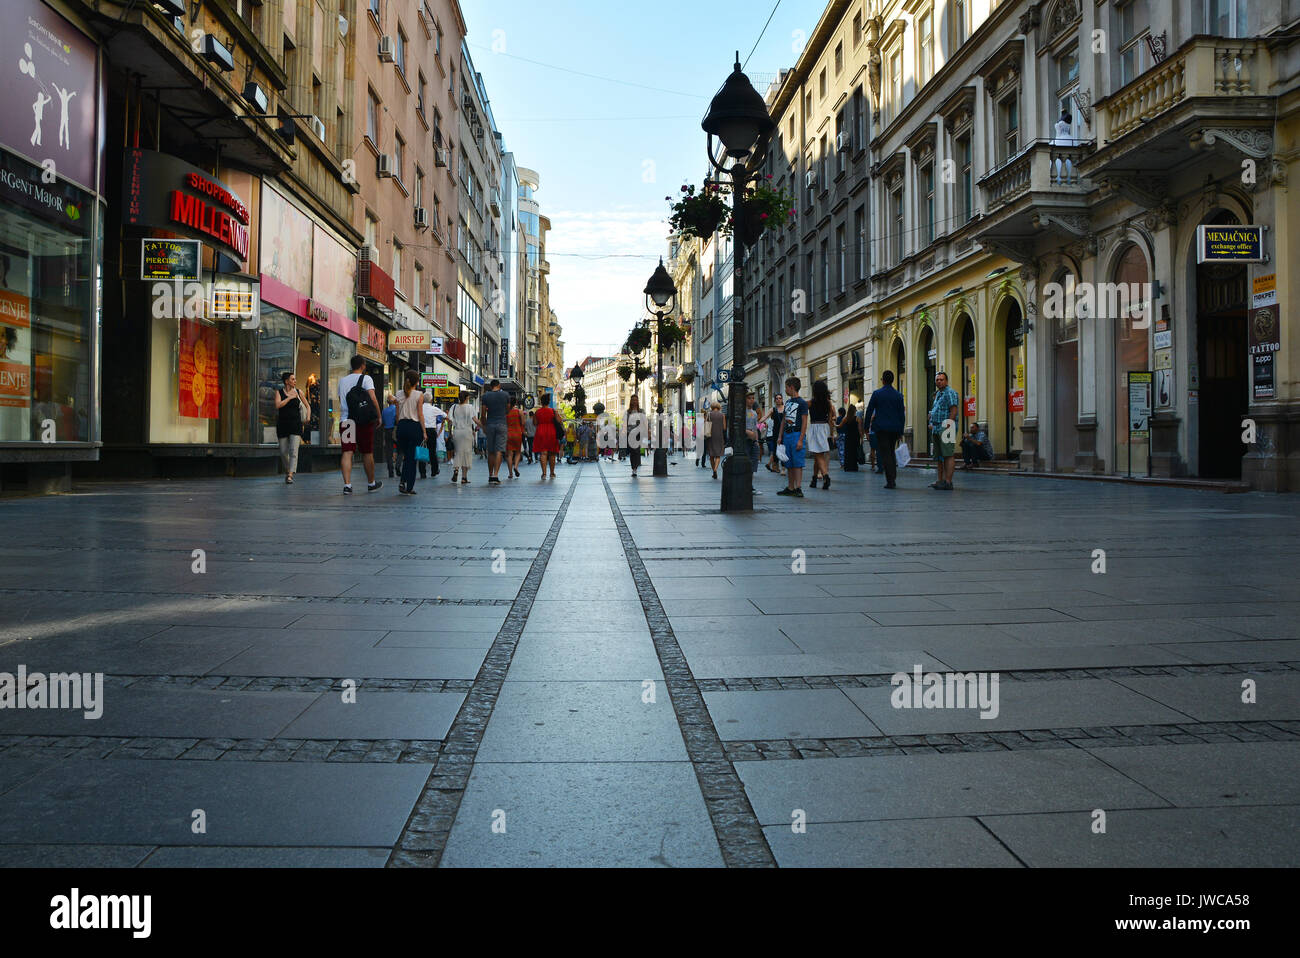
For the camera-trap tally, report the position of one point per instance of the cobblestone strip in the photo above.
(283, 683)
(249, 596)
(56, 747)
(1091, 737)
(426, 832)
(740, 836)
(773, 683)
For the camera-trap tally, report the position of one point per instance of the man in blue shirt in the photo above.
(943, 430)
(976, 447)
(886, 416)
(794, 436)
(389, 417)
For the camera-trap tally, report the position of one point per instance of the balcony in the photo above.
(1210, 89)
(1040, 188)
(494, 201)
(1040, 168)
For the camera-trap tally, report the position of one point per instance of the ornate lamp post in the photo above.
(738, 117)
(661, 296)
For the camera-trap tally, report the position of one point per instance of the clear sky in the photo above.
(609, 152)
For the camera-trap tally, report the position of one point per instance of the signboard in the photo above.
(1139, 406)
(1265, 316)
(164, 191)
(435, 345)
(1229, 244)
(529, 402)
(1165, 359)
(1263, 379)
(446, 392)
(1016, 400)
(432, 380)
(170, 259)
(1164, 388)
(372, 342)
(200, 374)
(233, 302)
(1262, 286)
(970, 407)
(1164, 339)
(15, 342)
(415, 339)
(503, 363)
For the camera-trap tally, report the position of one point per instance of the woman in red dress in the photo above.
(546, 443)
(514, 438)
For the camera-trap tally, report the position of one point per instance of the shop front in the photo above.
(51, 250)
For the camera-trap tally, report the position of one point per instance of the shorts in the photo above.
(796, 456)
(497, 436)
(942, 450)
(365, 437)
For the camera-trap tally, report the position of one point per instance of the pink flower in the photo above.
(762, 216)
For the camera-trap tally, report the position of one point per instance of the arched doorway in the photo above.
(1014, 378)
(1065, 378)
(1223, 356)
(1131, 331)
(966, 384)
(898, 363)
(930, 362)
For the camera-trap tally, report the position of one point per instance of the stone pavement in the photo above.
(597, 670)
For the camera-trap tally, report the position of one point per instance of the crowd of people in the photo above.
(414, 435)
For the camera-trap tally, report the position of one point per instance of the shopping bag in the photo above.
(421, 453)
(781, 455)
(902, 456)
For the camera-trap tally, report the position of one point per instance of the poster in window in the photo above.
(200, 374)
(16, 350)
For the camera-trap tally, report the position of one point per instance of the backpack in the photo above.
(360, 409)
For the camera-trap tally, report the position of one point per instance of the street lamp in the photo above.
(738, 117)
(661, 296)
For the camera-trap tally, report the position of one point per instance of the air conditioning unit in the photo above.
(467, 102)
(810, 180)
(421, 218)
(385, 164)
(842, 142)
(439, 156)
(387, 50)
(318, 127)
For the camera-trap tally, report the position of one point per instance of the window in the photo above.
(839, 58)
(926, 187)
(1134, 58)
(821, 84)
(400, 57)
(1227, 18)
(841, 145)
(859, 120)
(960, 22)
(437, 39)
(860, 231)
(810, 271)
(397, 264)
(399, 157)
(896, 199)
(825, 166)
(857, 28)
(1008, 127)
(372, 118)
(372, 227)
(895, 105)
(419, 187)
(417, 288)
(291, 70)
(826, 272)
(437, 127)
(842, 252)
(419, 93)
(374, 8)
(965, 197)
(925, 46)
(317, 99)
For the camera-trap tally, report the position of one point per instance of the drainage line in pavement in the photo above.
(740, 836)
(424, 837)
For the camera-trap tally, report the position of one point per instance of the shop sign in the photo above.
(1165, 359)
(435, 345)
(318, 312)
(234, 302)
(161, 190)
(432, 380)
(1229, 244)
(1264, 388)
(970, 407)
(1139, 405)
(170, 259)
(529, 402)
(23, 185)
(417, 339)
(1164, 388)
(1265, 316)
(372, 341)
(446, 392)
(1163, 339)
(15, 349)
(1016, 400)
(503, 364)
(200, 373)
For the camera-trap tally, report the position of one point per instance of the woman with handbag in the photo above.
(715, 431)
(289, 407)
(463, 422)
(410, 434)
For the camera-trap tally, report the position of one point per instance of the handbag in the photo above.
(421, 453)
(708, 428)
(781, 455)
(902, 455)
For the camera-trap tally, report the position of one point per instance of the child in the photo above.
(794, 436)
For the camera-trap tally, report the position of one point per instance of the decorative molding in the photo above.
(1018, 250)
(1160, 217)
(1158, 46)
(1073, 224)
(1138, 190)
(1030, 19)
(1084, 248)
(1083, 100)
(1254, 143)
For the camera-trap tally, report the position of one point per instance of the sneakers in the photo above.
(941, 486)
(347, 490)
(786, 492)
(797, 493)
(374, 486)
(494, 481)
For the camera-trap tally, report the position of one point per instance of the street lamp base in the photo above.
(738, 484)
(661, 462)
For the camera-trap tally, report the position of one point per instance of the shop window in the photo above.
(277, 349)
(201, 382)
(341, 352)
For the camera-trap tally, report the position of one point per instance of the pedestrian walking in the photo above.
(774, 429)
(496, 402)
(716, 441)
(433, 421)
(514, 439)
(410, 430)
(635, 423)
(388, 421)
(851, 441)
(546, 440)
(943, 430)
(360, 416)
(820, 433)
(530, 430)
(289, 409)
(839, 435)
(888, 418)
(463, 424)
(794, 432)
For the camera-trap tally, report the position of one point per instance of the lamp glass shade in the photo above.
(738, 114)
(660, 288)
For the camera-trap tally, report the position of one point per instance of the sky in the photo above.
(610, 146)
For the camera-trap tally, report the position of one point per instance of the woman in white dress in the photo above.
(463, 424)
(821, 433)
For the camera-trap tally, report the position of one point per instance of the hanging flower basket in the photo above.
(764, 206)
(699, 214)
(686, 376)
(638, 341)
(624, 372)
(644, 373)
(671, 334)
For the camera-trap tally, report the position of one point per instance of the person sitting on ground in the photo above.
(975, 447)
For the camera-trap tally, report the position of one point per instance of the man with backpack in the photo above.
(360, 416)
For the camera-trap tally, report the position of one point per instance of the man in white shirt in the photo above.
(362, 435)
(433, 417)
